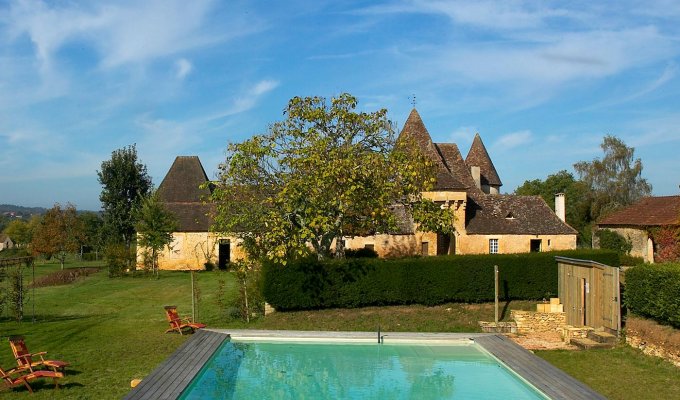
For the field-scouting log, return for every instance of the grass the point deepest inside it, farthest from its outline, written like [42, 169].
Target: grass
[111, 330]
[452, 317]
[620, 373]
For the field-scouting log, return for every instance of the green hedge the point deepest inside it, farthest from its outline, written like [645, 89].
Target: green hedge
[310, 284]
[653, 291]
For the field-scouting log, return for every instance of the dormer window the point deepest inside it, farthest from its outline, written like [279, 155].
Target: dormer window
[510, 215]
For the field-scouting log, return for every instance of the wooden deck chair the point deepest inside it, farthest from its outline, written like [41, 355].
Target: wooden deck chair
[25, 359]
[178, 324]
[23, 376]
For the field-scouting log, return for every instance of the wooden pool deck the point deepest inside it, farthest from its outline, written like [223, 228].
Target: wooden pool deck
[170, 378]
[547, 378]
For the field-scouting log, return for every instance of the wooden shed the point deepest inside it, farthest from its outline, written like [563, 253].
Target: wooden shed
[590, 293]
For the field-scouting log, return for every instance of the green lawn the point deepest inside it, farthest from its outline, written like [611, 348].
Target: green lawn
[111, 330]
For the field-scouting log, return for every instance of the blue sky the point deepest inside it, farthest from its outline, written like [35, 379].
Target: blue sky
[541, 81]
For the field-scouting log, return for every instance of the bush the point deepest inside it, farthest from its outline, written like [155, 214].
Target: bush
[118, 259]
[653, 291]
[358, 282]
[91, 256]
[14, 252]
[361, 253]
[629, 260]
[610, 240]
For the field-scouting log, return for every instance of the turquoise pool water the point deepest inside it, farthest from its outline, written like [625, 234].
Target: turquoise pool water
[285, 370]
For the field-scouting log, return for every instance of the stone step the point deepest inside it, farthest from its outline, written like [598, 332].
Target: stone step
[602, 337]
[589, 344]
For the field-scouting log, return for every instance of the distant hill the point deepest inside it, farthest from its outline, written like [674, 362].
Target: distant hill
[19, 211]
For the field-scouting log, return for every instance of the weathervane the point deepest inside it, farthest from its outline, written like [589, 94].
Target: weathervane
[413, 100]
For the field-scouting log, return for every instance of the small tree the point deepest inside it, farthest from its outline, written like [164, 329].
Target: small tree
[155, 226]
[59, 234]
[94, 236]
[124, 183]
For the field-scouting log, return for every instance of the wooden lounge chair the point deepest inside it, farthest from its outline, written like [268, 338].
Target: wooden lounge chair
[26, 359]
[23, 376]
[178, 324]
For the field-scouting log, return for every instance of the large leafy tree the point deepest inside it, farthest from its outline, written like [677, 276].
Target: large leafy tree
[326, 171]
[155, 226]
[59, 234]
[615, 180]
[124, 182]
[577, 199]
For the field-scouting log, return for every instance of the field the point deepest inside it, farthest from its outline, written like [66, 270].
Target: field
[111, 330]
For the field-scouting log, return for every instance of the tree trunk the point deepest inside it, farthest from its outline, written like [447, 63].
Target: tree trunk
[339, 247]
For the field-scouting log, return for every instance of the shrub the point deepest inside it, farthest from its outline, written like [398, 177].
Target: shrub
[358, 282]
[610, 240]
[14, 253]
[361, 253]
[91, 256]
[653, 291]
[118, 259]
[629, 260]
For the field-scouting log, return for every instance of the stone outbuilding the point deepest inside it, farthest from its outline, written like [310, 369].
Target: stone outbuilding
[184, 192]
[638, 223]
[5, 242]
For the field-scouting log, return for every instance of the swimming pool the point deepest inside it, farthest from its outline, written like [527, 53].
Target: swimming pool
[355, 369]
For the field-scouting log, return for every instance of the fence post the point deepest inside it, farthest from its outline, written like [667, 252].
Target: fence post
[495, 278]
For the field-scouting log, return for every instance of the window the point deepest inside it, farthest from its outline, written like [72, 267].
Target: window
[425, 248]
[369, 246]
[493, 246]
[535, 245]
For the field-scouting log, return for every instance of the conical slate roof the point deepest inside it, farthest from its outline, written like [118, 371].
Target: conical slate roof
[183, 180]
[182, 194]
[414, 128]
[479, 157]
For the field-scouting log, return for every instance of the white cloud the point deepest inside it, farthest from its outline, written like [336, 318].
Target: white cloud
[487, 14]
[184, 67]
[121, 32]
[512, 140]
[245, 101]
[263, 87]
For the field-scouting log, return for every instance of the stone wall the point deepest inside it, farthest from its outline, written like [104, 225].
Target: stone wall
[191, 250]
[532, 321]
[479, 244]
[652, 349]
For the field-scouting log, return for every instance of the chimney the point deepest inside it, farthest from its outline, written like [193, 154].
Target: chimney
[476, 176]
[560, 207]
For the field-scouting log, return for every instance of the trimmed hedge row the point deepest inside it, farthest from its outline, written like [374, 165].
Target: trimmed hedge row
[359, 282]
[653, 291]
